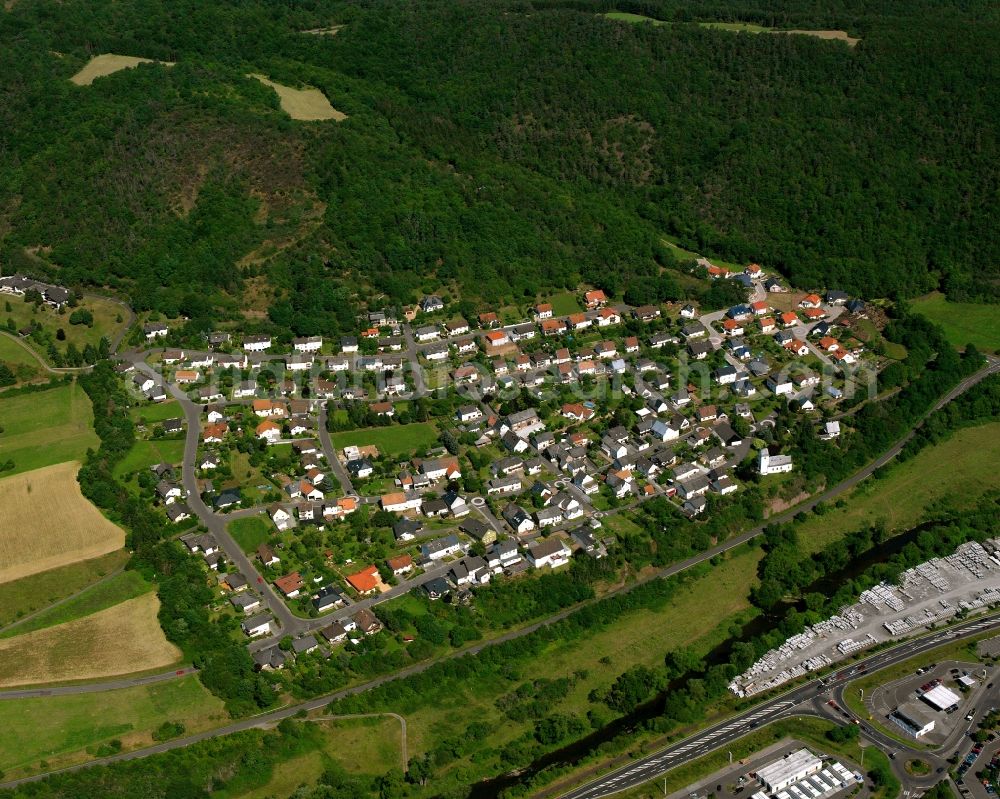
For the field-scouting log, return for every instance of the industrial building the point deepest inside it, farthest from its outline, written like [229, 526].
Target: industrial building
[914, 718]
[792, 768]
[802, 775]
[941, 698]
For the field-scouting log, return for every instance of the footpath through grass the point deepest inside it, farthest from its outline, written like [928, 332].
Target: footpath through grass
[359, 746]
[43, 428]
[960, 469]
[54, 731]
[963, 322]
[22, 362]
[123, 586]
[21, 597]
[698, 617]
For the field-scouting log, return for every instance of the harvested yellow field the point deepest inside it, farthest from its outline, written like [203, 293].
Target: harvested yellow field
[109, 63]
[122, 639]
[45, 522]
[306, 105]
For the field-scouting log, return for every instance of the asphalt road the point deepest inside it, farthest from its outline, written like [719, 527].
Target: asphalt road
[331, 455]
[648, 767]
[301, 626]
[799, 701]
[97, 687]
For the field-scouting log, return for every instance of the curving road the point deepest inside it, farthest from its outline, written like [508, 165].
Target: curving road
[796, 702]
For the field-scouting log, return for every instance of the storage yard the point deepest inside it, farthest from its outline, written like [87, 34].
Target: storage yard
[929, 593]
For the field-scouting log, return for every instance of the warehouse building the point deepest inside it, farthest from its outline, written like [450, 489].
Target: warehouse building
[792, 768]
[914, 718]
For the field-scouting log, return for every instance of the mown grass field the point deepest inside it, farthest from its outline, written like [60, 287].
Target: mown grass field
[48, 523]
[566, 303]
[122, 639]
[119, 588]
[59, 729]
[359, 746]
[20, 597]
[156, 412]
[250, 532]
[107, 64]
[147, 453]
[397, 439]
[46, 427]
[961, 468]
[106, 314]
[963, 322]
[307, 105]
[697, 617]
[22, 362]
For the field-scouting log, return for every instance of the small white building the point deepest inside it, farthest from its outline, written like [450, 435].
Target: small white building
[774, 464]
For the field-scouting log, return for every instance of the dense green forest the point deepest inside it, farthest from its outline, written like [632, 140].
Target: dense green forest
[498, 149]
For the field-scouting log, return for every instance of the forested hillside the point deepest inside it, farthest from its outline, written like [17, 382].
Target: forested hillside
[496, 148]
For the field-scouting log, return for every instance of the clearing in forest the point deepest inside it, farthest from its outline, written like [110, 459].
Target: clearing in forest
[333, 30]
[109, 63]
[47, 523]
[122, 639]
[742, 27]
[306, 105]
[836, 35]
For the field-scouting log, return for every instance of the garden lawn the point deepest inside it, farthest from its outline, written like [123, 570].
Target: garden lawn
[963, 322]
[566, 303]
[397, 439]
[156, 412]
[250, 532]
[46, 427]
[147, 453]
[961, 468]
[57, 729]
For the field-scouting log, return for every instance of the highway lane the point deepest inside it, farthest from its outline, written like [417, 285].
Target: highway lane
[794, 702]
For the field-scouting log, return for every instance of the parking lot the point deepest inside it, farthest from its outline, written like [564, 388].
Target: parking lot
[736, 782]
[885, 699]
